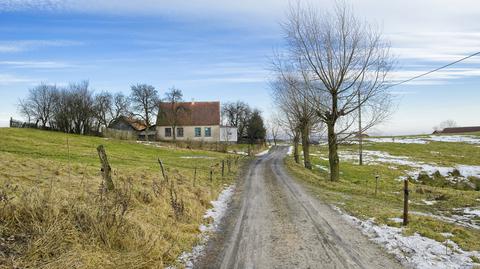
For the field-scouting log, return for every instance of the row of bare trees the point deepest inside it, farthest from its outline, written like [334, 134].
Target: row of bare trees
[78, 109]
[333, 75]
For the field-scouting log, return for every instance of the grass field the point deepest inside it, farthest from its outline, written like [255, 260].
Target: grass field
[433, 208]
[54, 212]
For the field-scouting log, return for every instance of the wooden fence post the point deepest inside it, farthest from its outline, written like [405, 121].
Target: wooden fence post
[223, 168]
[163, 170]
[211, 174]
[106, 169]
[405, 202]
[194, 176]
[376, 184]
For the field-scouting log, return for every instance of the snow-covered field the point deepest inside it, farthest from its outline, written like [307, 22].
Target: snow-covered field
[216, 213]
[425, 140]
[415, 251]
[373, 157]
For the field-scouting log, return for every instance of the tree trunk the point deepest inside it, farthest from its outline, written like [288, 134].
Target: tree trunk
[333, 152]
[306, 147]
[296, 141]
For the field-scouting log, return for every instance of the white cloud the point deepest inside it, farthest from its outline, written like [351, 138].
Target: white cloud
[8, 79]
[24, 45]
[36, 64]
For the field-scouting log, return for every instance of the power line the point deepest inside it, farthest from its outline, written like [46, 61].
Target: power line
[434, 70]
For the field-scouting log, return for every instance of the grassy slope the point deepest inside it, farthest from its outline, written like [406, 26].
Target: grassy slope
[90, 229]
[355, 191]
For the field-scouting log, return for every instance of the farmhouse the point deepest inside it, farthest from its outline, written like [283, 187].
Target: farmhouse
[196, 121]
[458, 130]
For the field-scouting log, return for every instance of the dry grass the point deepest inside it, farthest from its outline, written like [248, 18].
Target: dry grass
[55, 213]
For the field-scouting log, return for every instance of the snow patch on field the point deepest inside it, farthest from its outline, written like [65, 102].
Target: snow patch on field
[216, 213]
[455, 139]
[425, 140]
[373, 157]
[397, 140]
[415, 251]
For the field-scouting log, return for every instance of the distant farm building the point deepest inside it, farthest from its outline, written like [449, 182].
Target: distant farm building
[458, 130]
[125, 127]
[195, 121]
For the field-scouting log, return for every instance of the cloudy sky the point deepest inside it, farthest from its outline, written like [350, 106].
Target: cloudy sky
[216, 49]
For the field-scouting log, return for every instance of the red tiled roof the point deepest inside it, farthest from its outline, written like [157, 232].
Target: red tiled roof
[189, 113]
[461, 129]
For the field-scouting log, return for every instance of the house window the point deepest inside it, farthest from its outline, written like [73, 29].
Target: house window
[179, 132]
[168, 132]
[208, 131]
[198, 132]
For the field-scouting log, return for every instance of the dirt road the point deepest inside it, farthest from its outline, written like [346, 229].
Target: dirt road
[275, 223]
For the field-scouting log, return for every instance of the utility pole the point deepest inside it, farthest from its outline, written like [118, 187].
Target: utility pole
[360, 137]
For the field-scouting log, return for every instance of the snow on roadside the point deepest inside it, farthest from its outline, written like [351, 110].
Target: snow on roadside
[196, 157]
[262, 153]
[243, 153]
[217, 212]
[290, 151]
[414, 251]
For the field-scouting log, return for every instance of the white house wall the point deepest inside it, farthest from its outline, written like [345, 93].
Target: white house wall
[189, 133]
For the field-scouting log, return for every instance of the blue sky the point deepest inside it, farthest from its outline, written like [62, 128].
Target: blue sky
[220, 50]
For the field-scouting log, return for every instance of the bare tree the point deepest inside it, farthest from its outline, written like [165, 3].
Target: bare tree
[173, 97]
[445, 124]
[298, 109]
[273, 126]
[120, 106]
[81, 107]
[237, 114]
[25, 110]
[144, 100]
[103, 105]
[39, 104]
[343, 63]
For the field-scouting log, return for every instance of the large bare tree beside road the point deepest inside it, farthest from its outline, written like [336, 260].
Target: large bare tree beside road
[343, 63]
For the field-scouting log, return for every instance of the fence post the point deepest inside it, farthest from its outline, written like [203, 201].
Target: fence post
[106, 169]
[211, 174]
[163, 170]
[194, 175]
[405, 202]
[223, 168]
[376, 184]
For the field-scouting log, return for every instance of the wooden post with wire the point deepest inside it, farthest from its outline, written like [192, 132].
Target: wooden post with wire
[405, 202]
[106, 169]
[163, 170]
[223, 168]
[194, 175]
